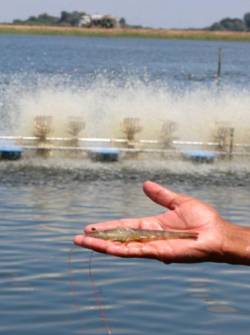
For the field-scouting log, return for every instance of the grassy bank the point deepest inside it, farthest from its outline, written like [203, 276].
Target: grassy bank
[142, 33]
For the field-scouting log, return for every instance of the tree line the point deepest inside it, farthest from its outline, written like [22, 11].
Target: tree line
[74, 19]
[68, 19]
[229, 24]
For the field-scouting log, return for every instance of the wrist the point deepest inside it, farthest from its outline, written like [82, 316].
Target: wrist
[236, 245]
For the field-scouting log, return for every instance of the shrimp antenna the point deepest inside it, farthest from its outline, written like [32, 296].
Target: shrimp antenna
[71, 279]
[97, 296]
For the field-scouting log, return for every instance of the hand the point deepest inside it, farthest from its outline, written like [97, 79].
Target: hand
[185, 213]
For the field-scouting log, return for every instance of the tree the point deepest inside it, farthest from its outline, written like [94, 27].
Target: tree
[43, 19]
[108, 22]
[17, 21]
[247, 20]
[75, 18]
[233, 24]
[72, 19]
[122, 22]
[229, 25]
[47, 19]
[65, 16]
[216, 27]
[32, 19]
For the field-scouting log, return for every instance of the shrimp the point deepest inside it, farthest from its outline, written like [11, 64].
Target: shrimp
[125, 235]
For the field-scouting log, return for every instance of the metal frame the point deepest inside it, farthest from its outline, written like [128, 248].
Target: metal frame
[20, 140]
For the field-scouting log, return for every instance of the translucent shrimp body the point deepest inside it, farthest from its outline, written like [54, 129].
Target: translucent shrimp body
[126, 235]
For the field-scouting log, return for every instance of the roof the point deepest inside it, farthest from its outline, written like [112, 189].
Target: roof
[97, 17]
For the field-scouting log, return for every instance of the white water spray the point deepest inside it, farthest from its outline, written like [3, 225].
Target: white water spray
[104, 104]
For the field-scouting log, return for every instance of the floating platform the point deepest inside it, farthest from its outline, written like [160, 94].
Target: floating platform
[104, 154]
[10, 152]
[114, 149]
[200, 156]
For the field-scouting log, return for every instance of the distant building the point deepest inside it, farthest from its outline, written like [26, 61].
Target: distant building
[97, 17]
[98, 20]
[85, 21]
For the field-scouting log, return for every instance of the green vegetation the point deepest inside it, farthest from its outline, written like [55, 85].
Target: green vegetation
[125, 32]
[247, 21]
[73, 19]
[70, 19]
[82, 24]
[82, 19]
[228, 24]
[43, 19]
[66, 19]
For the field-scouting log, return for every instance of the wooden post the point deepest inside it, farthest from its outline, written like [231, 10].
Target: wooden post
[231, 142]
[220, 55]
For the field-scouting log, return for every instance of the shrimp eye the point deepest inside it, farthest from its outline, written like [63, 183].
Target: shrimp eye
[93, 229]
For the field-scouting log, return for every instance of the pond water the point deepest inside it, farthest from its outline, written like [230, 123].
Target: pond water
[45, 284]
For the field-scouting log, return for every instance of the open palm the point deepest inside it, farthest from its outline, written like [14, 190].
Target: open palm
[184, 213]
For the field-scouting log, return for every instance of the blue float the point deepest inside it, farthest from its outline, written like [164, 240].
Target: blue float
[200, 156]
[10, 152]
[103, 154]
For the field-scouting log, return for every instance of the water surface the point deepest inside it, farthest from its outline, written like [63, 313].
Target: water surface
[45, 288]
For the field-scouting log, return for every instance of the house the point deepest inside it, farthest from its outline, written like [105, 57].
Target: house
[85, 21]
[98, 20]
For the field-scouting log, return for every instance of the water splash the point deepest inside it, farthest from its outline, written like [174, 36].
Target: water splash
[103, 103]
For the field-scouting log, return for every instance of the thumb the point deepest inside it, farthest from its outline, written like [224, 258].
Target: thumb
[162, 195]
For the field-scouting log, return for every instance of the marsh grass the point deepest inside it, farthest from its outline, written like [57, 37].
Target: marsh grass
[128, 32]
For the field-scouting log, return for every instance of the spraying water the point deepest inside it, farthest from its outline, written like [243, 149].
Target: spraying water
[103, 104]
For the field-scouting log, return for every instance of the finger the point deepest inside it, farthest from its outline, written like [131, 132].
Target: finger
[91, 243]
[162, 195]
[116, 248]
[166, 252]
[109, 247]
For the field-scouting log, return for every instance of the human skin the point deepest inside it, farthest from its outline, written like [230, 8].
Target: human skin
[218, 240]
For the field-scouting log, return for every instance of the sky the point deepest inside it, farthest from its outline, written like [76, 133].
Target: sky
[152, 13]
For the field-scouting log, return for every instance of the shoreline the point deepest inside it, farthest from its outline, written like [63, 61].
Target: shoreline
[126, 32]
